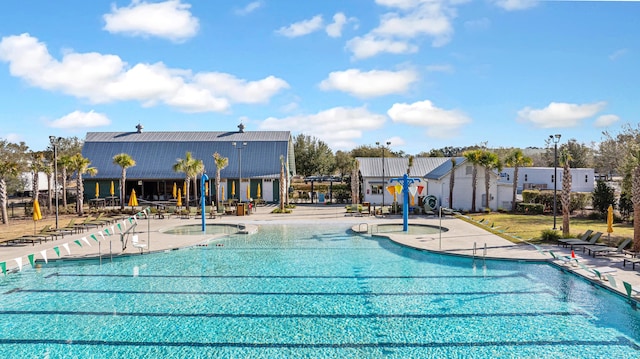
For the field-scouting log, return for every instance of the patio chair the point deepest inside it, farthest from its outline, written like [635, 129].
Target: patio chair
[565, 259]
[594, 250]
[583, 238]
[592, 241]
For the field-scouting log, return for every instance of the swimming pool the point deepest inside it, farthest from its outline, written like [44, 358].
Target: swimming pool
[310, 291]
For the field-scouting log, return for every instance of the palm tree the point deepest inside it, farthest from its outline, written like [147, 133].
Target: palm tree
[410, 165]
[355, 182]
[11, 156]
[565, 198]
[452, 181]
[190, 167]
[490, 162]
[125, 161]
[517, 159]
[64, 162]
[473, 157]
[37, 165]
[221, 163]
[80, 165]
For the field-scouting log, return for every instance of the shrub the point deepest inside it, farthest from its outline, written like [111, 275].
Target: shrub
[530, 208]
[550, 235]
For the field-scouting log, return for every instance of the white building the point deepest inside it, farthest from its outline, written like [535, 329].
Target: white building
[434, 174]
[582, 179]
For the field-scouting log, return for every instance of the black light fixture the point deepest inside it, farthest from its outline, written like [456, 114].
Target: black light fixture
[555, 139]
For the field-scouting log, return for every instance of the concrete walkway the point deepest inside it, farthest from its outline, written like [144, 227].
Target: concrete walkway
[459, 239]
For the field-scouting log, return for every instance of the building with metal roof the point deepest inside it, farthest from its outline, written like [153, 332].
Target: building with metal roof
[254, 161]
[435, 175]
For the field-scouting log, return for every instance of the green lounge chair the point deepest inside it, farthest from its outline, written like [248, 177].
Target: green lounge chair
[590, 242]
[595, 250]
[583, 238]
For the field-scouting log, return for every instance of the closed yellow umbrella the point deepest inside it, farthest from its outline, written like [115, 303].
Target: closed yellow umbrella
[249, 191]
[179, 203]
[133, 200]
[37, 215]
[610, 220]
[184, 187]
[221, 193]
[233, 188]
[206, 188]
[175, 190]
[97, 189]
[259, 192]
[112, 190]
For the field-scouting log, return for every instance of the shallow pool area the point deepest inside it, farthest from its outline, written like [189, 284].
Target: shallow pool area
[196, 229]
[412, 228]
[310, 290]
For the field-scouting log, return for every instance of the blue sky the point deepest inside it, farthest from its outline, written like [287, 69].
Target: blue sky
[421, 74]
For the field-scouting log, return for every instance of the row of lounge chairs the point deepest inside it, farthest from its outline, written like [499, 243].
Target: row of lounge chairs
[47, 233]
[588, 243]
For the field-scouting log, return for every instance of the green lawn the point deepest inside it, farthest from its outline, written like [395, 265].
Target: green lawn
[530, 226]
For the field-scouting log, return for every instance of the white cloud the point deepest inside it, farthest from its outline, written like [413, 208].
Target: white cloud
[412, 20]
[514, 5]
[339, 127]
[369, 84]
[169, 19]
[396, 141]
[560, 115]
[440, 68]
[606, 120]
[478, 24]
[440, 123]
[339, 20]
[618, 54]
[239, 90]
[80, 119]
[106, 78]
[369, 46]
[302, 28]
[12, 137]
[249, 8]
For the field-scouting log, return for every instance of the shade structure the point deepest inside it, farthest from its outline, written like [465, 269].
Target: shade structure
[97, 189]
[133, 200]
[233, 188]
[259, 192]
[175, 190]
[610, 219]
[112, 190]
[179, 203]
[37, 214]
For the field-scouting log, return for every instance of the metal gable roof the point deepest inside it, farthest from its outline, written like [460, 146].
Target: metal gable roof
[155, 153]
[396, 167]
[444, 168]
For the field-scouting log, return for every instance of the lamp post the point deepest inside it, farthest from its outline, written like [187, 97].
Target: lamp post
[240, 147]
[55, 141]
[383, 179]
[555, 139]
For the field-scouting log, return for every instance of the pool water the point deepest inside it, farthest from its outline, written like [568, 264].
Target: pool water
[315, 292]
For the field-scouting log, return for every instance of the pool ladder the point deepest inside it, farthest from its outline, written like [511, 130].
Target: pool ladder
[475, 250]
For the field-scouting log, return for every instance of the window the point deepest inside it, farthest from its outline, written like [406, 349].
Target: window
[468, 170]
[376, 189]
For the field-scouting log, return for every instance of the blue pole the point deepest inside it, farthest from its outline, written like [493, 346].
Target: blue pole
[405, 180]
[203, 201]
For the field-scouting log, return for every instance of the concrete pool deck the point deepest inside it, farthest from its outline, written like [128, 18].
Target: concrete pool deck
[458, 240]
